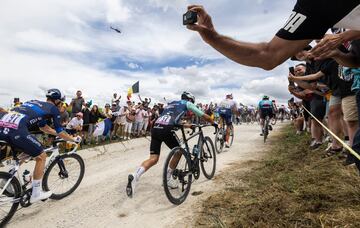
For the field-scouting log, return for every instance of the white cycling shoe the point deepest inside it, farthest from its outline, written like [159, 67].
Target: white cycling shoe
[42, 196]
[173, 184]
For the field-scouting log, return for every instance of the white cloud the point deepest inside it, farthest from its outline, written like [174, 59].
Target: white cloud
[68, 44]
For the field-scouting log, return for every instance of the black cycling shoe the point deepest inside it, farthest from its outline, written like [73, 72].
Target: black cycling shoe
[270, 128]
[130, 186]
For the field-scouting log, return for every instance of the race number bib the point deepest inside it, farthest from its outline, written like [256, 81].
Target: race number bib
[11, 120]
[164, 120]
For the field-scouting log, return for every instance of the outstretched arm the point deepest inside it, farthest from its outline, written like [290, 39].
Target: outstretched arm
[266, 55]
[309, 77]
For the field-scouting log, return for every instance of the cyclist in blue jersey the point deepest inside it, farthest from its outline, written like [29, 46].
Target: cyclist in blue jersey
[163, 132]
[227, 108]
[266, 108]
[14, 129]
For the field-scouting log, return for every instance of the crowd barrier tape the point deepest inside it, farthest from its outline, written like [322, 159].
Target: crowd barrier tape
[335, 136]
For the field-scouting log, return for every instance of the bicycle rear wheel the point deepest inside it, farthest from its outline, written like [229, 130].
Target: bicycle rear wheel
[10, 198]
[231, 136]
[64, 175]
[266, 129]
[179, 162]
[220, 140]
[208, 158]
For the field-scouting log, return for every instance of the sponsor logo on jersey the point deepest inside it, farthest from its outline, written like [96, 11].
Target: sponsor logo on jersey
[294, 22]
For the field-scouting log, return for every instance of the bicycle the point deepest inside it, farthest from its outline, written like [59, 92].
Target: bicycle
[220, 138]
[266, 128]
[188, 164]
[58, 170]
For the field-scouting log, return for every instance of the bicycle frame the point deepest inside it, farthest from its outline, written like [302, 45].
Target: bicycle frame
[193, 135]
[54, 150]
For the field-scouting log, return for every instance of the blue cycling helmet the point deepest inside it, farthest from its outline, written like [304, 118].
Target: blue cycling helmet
[55, 94]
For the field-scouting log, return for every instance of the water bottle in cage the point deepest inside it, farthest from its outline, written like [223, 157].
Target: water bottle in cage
[195, 151]
[26, 176]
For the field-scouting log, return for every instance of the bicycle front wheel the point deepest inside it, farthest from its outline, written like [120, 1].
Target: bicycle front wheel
[208, 158]
[10, 198]
[177, 175]
[64, 175]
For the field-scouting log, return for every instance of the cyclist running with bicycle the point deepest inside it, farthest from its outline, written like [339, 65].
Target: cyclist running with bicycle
[227, 108]
[266, 108]
[14, 129]
[163, 132]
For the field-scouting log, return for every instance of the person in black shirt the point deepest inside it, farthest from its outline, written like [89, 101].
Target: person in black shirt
[308, 21]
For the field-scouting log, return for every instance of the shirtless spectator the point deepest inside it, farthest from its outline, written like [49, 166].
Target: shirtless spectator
[145, 102]
[130, 119]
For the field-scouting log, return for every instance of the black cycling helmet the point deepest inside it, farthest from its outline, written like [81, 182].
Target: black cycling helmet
[55, 94]
[188, 96]
[265, 97]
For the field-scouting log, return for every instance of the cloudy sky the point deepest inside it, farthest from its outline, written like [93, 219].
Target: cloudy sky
[68, 45]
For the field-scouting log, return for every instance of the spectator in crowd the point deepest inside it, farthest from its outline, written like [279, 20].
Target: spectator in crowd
[146, 102]
[115, 99]
[77, 103]
[75, 125]
[139, 120]
[107, 111]
[86, 123]
[160, 108]
[16, 102]
[120, 122]
[147, 116]
[94, 117]
[130, 119]
[64, 115]
[317, 103]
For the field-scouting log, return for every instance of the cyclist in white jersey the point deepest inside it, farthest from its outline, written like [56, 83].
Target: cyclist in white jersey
[226, 108]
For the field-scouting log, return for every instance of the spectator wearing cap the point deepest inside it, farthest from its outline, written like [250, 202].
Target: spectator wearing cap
[77, 103]
[75, 125]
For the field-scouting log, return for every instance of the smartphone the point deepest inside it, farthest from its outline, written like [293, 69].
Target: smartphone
[190, 17]
[292, 70]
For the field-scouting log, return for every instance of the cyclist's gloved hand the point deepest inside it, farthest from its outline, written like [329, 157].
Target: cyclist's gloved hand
[215, 124]
[78, 139]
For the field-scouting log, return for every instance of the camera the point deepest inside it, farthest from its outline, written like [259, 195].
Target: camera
[190, 17]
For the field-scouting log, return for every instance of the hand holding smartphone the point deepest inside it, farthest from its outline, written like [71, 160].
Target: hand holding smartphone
[292, 71]
[190, 17]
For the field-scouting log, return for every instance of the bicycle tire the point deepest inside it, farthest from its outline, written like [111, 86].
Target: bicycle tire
[17, 193]
[231, 135]
[208, 148]
[266, 129]
[58, 196]
[220, 140]
[185, 193]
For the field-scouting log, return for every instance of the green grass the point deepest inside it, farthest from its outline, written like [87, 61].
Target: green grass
[291, 187]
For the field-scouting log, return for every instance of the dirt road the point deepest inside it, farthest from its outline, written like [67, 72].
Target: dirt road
[101, 201]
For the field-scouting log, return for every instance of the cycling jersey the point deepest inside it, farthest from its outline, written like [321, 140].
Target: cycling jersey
[15, 124]
[173, 113]
[266, 108]
[225, 110]
[311, 19]
[38, 112]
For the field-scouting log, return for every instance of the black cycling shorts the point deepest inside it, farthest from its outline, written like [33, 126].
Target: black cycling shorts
[266, 112]
[159, 135]
[318, 108]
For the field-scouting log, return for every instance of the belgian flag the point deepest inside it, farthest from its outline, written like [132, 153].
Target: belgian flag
[133, 89]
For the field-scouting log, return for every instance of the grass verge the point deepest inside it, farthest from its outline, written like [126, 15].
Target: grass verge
[291, 187]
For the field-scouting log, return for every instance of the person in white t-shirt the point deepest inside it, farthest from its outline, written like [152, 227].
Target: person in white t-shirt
[76, 124]
[139, 120]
